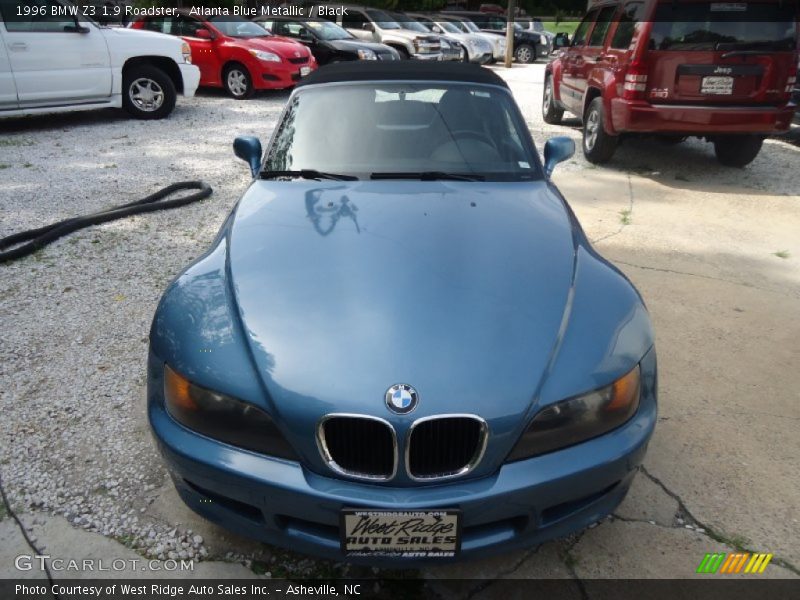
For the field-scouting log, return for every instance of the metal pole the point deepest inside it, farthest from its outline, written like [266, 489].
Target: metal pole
[510, 33]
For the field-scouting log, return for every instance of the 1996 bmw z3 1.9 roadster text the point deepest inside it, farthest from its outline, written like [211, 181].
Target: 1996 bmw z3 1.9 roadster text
[401, 347]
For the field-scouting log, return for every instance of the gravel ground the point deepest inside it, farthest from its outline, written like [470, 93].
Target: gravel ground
[75, 316]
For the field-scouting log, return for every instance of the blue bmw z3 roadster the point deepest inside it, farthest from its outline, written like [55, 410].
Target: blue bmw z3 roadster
[401, 348]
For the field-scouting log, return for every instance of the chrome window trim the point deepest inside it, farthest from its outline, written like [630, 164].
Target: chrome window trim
[336, 468]
[469, 467]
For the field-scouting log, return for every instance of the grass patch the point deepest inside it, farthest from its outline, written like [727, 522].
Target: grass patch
[4, 166]
[15, 142]
[625, 217]
[3, 511]
[568, 27]
[782, 254]
[126, 540]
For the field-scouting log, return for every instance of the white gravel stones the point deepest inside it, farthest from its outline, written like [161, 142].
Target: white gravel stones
[75, 317]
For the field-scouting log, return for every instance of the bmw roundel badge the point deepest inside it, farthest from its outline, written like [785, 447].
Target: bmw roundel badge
[401, 398]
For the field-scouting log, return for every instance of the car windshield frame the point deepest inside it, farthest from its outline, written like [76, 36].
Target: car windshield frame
[528, 167]
[222, 23]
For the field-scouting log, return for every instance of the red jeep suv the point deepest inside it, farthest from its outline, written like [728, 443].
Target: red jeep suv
[723, 71]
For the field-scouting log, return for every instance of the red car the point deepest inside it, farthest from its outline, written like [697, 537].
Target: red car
[718, 70]
[236, 54]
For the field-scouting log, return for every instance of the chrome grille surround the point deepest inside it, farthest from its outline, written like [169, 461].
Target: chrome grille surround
[324, 451]
[480, 447]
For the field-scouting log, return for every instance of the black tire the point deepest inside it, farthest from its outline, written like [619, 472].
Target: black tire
[737, 150]
[237, 81]
[525, 54]
[598, 146]
[404, 55]
[550, 112]
[147, 92]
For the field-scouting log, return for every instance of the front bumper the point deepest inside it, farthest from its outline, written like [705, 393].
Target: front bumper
[428, 56]
[191, 79]
[524, 503]
[481, 58]
[628, 116]
[274, 76]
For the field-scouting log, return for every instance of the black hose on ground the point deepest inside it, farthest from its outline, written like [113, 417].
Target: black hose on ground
[38, 238]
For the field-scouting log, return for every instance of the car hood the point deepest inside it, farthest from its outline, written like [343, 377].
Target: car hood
[346, 288]
[282, 46]
[348, 45]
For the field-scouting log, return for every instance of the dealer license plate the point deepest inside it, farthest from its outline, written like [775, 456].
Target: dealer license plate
[304, 71]
[401, 534]
[717, 86]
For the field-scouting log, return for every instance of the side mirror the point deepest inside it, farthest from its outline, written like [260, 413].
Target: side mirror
[248, 148]
[305, 36]
[203, 34]
[561, 40]
[368, 27]
[556, 150]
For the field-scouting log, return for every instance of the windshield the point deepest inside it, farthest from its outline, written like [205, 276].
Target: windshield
[724, 26]
[326, 30]
[383, 19]
[448, 27]
[411, 25]
[463, 129]
[238, 27]
[471, 26]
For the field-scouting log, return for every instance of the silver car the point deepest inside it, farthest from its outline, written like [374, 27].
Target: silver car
[498, 42]
[478, 49]
[374, 25]
[451, 47]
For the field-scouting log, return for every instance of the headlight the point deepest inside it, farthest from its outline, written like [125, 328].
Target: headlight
[581, 418]
[187, 53]
[543, 40]
[367, 55]
[444, 45]
[222, 417]
[265, 56]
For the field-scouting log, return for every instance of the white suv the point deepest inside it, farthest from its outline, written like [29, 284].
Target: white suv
[54, 59]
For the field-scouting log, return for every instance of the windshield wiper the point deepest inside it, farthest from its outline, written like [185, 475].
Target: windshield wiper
[751, 48]
[747, 53]
[430, 176]
[306, 174]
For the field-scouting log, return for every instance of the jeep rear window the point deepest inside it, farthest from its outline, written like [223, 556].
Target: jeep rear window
[724, 26]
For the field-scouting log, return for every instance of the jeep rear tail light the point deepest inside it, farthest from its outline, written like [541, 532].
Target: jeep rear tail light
[635, 82]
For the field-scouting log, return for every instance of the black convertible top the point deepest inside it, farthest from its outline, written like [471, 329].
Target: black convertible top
[402, 70]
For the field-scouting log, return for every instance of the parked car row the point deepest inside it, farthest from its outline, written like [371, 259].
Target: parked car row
[722, 72]
[274, 52]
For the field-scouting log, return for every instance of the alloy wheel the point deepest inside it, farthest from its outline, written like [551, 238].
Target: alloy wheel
[237, 82]
[146, 94]
[591, 129]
